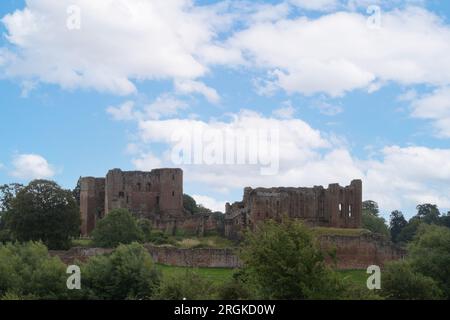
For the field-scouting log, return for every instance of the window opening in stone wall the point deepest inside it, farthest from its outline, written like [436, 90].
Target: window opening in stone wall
[121, 194]
[349, 210]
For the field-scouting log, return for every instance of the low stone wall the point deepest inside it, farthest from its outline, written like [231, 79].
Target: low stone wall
[351, 252]
[201, 257]
[361, 251]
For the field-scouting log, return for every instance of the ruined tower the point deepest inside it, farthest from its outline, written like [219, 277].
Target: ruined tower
[156, 195]
[336, 206]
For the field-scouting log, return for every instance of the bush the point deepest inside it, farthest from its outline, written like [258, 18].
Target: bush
[27, 272]
[188, 284]
[401, 282]
[234, 289]
[42, 211]
[118, 227]
[146, 227]
[282, 261]
[430, 254]
[127, 273]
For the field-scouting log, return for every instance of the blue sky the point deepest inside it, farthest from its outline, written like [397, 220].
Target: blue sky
[352, 99]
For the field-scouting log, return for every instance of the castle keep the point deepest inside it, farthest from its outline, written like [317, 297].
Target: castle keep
[156, 195]
[336, 206]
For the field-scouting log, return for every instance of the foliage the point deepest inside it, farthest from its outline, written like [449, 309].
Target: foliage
[189, 284]
[282, 261]
[27, 272]
[118, 227]
[43, 211]
[407, 234]
[146, 227]
[371, 207]
[401, 282]
[374, 223]
[234, 288]
[77, 191]
[190, 204]
[429, 254]
[428, 213]
[7, 193]
[127, 273]
[396, 225]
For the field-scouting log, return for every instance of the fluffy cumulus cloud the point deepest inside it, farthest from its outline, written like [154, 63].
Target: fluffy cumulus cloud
[434, 107]
[31, 166]
[339, 52]
[117, 42]
[397, 177]
[121, 41]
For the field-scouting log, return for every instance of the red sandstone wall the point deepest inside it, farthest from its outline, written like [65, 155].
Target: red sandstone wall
[352, 253]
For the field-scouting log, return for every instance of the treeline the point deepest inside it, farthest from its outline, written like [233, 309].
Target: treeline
[399, 230]
[43, 211]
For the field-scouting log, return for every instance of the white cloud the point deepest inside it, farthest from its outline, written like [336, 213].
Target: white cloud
[190, 86]
[327, 108]
[400, 177]
[316, 5]
[285, 112]
[435, 107]
[337, 52]
[210, 203]
[31, 166]
[164, 106]
[119, 41]
[146, 162]
[122, 112]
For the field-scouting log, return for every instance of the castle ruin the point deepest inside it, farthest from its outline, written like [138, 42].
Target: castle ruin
[156, 195]
[336, 206]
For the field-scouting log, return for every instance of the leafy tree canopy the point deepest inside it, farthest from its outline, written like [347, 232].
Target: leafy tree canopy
[119, 226]
[44, 211]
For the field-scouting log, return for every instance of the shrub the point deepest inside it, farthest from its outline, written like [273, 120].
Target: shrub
[282, 261]
[118, 227]
[188, 284]
[430, 254]
[27, 271]
[146, 227]
[127, 273]
[401, 282]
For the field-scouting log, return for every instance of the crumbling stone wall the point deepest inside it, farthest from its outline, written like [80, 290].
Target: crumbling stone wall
[336, 206]
[352, 252]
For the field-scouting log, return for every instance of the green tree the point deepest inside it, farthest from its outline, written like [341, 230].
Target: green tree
[396, 225]
[401, 282]
[371, 207]
[146, 227]
[374, 223]
[188, 284]
[127, 273]
[407, 234]
[7, 193]
[77, 191]
[43, 211]
[28, 272]
[428, 213]
[429, 254]
[119, 226]
[445, 220]
[190, 204]
[282, 261]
